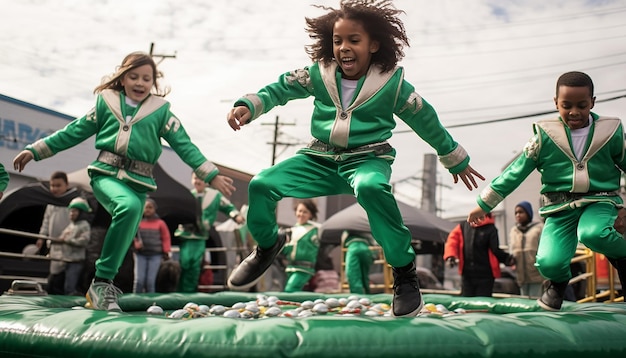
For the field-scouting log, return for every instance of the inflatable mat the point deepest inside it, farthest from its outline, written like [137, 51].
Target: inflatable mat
[59, 326]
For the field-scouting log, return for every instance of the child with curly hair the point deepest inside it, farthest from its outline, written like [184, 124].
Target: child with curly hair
[358, 88]
[129, 120]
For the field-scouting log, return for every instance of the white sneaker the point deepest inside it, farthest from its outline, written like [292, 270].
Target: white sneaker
[103, 296]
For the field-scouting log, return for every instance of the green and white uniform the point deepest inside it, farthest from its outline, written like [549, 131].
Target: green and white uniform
[580, 197]
[350, 154]
[132, 135]
[301, 253]
[358, 260]
[192, 242]
[4, 178]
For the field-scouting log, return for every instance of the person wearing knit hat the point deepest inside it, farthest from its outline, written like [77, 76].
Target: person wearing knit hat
[523, 245]
[527, 208]
[80, 204]
[74, 241]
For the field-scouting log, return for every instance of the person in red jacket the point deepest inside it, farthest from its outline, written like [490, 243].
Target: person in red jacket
[152, 245]
[475, 248]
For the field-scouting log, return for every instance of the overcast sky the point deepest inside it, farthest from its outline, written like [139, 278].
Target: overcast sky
[479, 62]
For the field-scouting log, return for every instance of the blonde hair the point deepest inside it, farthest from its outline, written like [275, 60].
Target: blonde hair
[130, 62]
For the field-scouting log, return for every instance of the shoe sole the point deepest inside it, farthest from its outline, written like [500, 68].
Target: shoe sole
[410, 314]
[89, 302]
[546, 307]
[250, 284]
[90, 305]
[245, 287]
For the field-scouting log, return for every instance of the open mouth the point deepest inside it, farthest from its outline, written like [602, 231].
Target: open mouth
[348, 62]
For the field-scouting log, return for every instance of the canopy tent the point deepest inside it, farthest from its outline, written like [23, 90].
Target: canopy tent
[428, 231]
[173, 199]
[22, 210]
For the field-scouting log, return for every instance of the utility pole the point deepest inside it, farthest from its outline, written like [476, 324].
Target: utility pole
[429, 204]
[162, 57]
[275, 143]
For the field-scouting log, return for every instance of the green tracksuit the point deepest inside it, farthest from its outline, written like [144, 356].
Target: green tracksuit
[192, 242]
[301, 253]
[134, 133]
[350, 154]
[358, 261]
[579, 195]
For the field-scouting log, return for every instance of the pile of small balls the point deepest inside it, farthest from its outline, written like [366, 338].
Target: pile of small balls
[271, 306]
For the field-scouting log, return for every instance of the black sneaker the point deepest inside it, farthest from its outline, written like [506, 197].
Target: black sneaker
[552, 297]
[250, 270]
[407, 299]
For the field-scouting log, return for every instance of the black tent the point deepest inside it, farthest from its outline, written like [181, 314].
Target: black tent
[22, 209]
[428, 231]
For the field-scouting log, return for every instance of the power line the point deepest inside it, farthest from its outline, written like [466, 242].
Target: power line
[506, 119]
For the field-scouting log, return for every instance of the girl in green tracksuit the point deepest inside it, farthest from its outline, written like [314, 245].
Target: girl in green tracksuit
[358, 92]
[302, 247]
[129, 120]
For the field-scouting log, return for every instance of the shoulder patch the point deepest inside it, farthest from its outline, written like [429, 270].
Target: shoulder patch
[531, 149]
[413, 103]
[301, 76]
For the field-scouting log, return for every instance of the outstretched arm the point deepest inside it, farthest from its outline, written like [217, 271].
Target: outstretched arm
[20, 161]
[223, 184]
[476, 215]
[468, 177]
[238, 116]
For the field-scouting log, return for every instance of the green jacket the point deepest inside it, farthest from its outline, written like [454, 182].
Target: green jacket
[368, 120]
[139, 139]
[4, 178]
[550, 152]
[212, 202]
[302, 247]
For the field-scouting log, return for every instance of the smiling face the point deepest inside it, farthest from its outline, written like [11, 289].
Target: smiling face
[138, 82]
[353, 48]
[574, 105]
[303, 215]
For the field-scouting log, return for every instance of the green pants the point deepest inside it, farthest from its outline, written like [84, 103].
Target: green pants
[591, 225]
[125, 204]
[305, 176]
[296, 280]
[190, 259]
[358, 262]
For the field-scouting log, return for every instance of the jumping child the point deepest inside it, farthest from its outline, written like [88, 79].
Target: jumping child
[580, 156]
[129, 120]
[358, 89]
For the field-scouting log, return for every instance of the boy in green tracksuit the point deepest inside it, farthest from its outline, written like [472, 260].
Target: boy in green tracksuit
[193, 237]
[358, 89]
[129, 121]
[580, 156]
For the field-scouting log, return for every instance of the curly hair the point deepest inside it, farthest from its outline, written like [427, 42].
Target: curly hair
[130, 62]
[574, 79]
[380, 20]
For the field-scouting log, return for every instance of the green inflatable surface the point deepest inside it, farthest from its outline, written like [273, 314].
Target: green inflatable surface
[58, 326]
